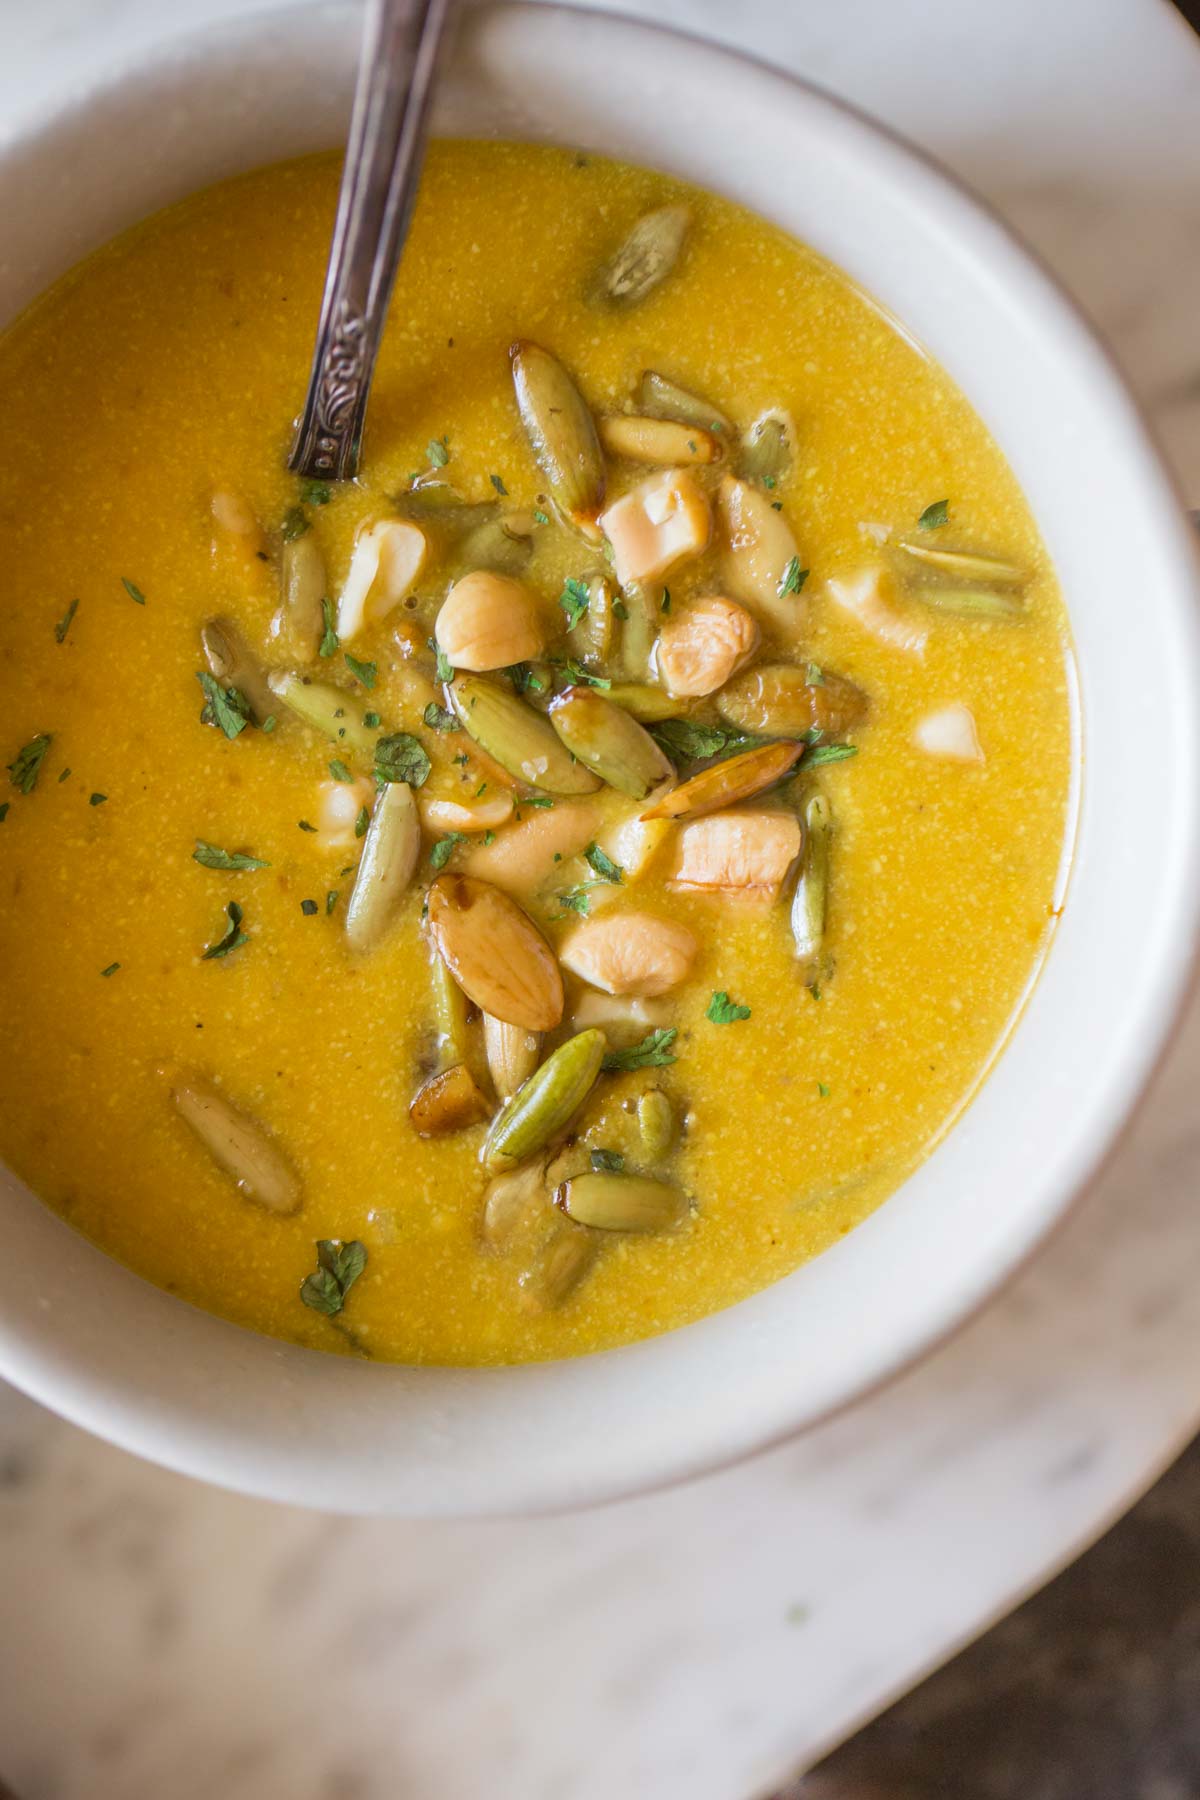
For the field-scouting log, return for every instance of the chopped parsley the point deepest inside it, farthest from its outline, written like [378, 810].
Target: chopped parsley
[438, 718]
[361, 822]
[211, 857]
[437, 452]
[822, 1090]
[225, 707]
[330, 642]
[305, 826]
[445, 847]
[26, 765]
[97, 799]
[544, 801]
[234, 935]
[583, 677]
[445, 668]
[362, 671]
[295, 524]
[331, 900]
[64, 776]
[577, 899]
[540, 517]
[401, 757]
[338, 1268]
[309, 908]
[269, 723]
[574, 600]
[64, 624]
[604, 865]
[721, 1010]
[371, 720]
[339, 771]
[827, 753]
[607, 1162]
[133, 590]
[654, 1052]
[814, 675]
[499, 486]
[686, 740]
[524, 677]
[793, 577]
[316, 493]
[111, 970]
[934, 516]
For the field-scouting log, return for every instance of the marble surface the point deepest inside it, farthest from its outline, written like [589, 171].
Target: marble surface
[166, 1639]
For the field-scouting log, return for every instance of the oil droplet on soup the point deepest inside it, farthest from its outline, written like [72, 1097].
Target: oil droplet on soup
[764, 577]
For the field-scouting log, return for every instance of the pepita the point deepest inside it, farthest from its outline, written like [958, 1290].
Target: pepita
[766, 452]
[656, 1123]
[558, 1266]
[561, 433]
[966, 565]
[968, 602]
[646, 257]
[622, 1203]
[662, 398]
[385, 868]
[299, 624]
[328, 709]
[230, 661]
[521, 742]
[544, 1105]
[238, 1145]
[786, 700]
[609, 741]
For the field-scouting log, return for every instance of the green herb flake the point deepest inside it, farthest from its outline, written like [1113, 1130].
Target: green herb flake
[607, 1162]
[828, 753]
[330, 642]
[499, 486]
[814, 675]
[822, 1090]
[372, 721]
[223, 707]
[295, 524]
[26, 765]
[768, 481]
[540, 517]
[721, 1010]
[687, 740]
[934, 516]
[331, 900]
[362, 671]
[576, 899]
[338, 1268]
[542, 801]
[361, 822]
[489, 837]
[133, 590]
[305, 826]
[437, 452]
[64, 624]
[339, 771]
[439, 719]
[620, 610]
[445, 847]
[4, 806]
[793, 577]
[574, 600]
[234, 936]
[309, 908]
[583, 677]
[269, 723]
[524, 678]
[654, 1052]
[604, 865]
[445, 668]
[97, 799]
[401, 757]
[63, 777]
[315, 493]
[211, 857]
[111, 970]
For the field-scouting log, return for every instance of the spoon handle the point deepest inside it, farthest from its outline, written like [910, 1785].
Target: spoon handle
[396, 71]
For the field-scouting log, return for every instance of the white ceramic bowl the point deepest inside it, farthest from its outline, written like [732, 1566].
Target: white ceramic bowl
[112, 1353]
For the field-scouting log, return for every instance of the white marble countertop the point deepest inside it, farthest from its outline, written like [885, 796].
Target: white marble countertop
[170, 1640]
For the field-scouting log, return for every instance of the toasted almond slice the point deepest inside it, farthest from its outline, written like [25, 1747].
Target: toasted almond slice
[748, 851]
[630, 953]
[495, 952]
[737, 778]
[702, 646]
[490, 621]
[661, 441]
[385, 565]
[656, 525]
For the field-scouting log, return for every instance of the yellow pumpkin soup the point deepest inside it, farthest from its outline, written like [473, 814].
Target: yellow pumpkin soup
[545, 890]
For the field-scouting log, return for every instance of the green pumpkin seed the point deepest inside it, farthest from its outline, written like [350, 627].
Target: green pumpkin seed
[512, 1054]
[645, 259]
[663, 399]
[622, 1203]
[497, 544]
[810, 901]
[385, 868]
[557, 1267]
[561, 433]
[639, 630]
[649, 704]
[516, 1208]
[438, 503]
[656, 1123]
[300, 622]
[521, 741]
[790, 700]
[766, 454]
[592, 637]
[450, 1015]
[966, 565]
[607, 740]
[238, 1145]
[231, 663]
[545, 1104]
[328, 709]
[968, 602]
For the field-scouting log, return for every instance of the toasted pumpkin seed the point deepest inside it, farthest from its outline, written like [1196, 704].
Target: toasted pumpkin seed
[230, 661]
[512, 1054]
[639, 629]
[656, 1123]
[737, 778]
[328, 709]
[300, 623]
[558, 1266]
[495, 952]
[439, 504]
[546, 1103]
[498, 544]
[766, 453]
[238, 1145]
[385, 868]
[811, 898]
[520, 741]
[966, 565]
[786, 700]
[622, 1203]
[592, 636]
[516, 1206]
[665, 399]
[664, 442]
[646, 257]
[969, 602]
[649, 704]
[449, 1101]
[450, 1014]
[607, 740]
[561, 432]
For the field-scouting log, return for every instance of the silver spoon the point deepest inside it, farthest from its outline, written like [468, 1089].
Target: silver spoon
[398, 63]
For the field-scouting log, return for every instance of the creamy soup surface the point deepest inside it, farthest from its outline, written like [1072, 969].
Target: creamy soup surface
[817, 949]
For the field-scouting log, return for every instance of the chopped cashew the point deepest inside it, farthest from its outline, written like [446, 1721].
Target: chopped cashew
[630, 953]
[656, 525]
[864, 595]
[749, 851]
[949, 733]
[490, 621]
[387, 560]
[339, 804]
[702, 645]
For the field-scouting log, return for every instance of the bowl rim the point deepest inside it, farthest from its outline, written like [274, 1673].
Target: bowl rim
[726, 1440]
